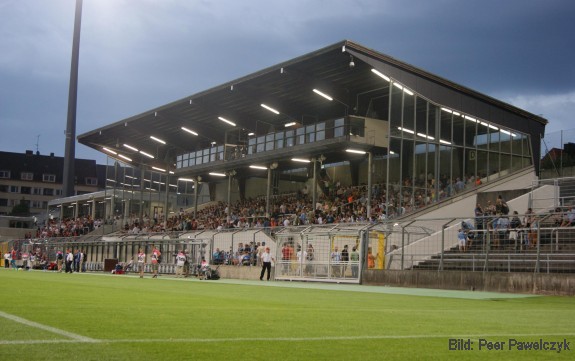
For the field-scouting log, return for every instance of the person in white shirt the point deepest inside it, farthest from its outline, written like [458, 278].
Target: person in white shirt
[7, 257]
[180, 262]
[69, 260]
[301, 256]
[141, 262]
[267, 260]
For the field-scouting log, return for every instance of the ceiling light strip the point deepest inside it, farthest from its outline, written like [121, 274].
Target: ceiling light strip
[322, 94]
[157, 139]
[269, 108]
[227, 121]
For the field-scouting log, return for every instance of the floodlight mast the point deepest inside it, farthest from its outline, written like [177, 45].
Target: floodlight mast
[70, 151]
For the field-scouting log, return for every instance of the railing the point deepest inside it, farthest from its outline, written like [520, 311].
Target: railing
[415, 244]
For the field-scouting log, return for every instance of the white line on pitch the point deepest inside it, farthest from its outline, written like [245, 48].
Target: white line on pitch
[285, 339]
[330, 338]
[26, 322]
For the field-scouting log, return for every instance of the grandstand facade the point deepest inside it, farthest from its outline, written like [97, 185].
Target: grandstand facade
[343, 147]
[426, 137]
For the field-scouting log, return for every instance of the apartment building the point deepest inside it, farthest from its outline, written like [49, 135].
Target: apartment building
[37, 179]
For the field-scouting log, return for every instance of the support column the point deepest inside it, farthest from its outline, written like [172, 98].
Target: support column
[141, 215]
[196, 184]
[166, 201]
[127, 204]
[268, 192]
[314, 187]
[93, 214]
[229, 193]
[369, 171]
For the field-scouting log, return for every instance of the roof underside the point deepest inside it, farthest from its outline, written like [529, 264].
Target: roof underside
[286, 87]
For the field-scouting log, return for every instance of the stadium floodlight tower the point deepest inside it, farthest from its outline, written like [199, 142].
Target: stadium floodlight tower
[70, 148]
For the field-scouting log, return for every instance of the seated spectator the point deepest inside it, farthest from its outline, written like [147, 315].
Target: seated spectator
[556, 217]
[569, 218]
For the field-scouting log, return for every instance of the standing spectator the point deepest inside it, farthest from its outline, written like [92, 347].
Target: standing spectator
[260, 250]
[528, 218]
[69, 260]
[141, 262]
[515, 221]
[336, 262]
[479, 217]
[287, 253]
[459, 185]
[13, 256]
[82, 261]
[180, 262]
[267, 260]
[156, 254]
[310, 257]
[514, 227]
[77, 260]
[354, 257]
[370, 258]
[489, 209]
[501, 230]
[59, 260]
[533, 230]
[7, 258]
[344, 260]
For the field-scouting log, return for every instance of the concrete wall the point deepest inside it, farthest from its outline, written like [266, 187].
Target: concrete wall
[528, 283]
[241, 272]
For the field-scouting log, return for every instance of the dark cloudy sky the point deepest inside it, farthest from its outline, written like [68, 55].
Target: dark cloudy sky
[139, 54]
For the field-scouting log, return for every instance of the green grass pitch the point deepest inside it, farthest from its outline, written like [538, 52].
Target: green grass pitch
[51, 316]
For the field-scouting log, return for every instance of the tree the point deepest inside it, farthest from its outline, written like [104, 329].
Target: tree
[22, 209]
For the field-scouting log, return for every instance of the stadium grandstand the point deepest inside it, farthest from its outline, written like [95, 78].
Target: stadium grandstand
[352, 166]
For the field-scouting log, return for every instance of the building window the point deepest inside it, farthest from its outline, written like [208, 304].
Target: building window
[90, 181]
[3, 202]
[14, 189]
[37, 191]
[48, 192]
[58, 192]
[27, 176]
[48, 178]
[5, 174]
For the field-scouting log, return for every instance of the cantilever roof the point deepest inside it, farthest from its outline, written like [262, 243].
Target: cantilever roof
[286, 87]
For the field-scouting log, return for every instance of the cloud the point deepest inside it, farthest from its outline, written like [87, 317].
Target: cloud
[139, 54]
[559, 109]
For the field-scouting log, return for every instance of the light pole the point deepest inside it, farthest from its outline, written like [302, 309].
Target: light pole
[70, 151]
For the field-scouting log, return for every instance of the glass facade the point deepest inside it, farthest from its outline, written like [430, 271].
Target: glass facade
[430, 152]
[436, 152]
[307, 134]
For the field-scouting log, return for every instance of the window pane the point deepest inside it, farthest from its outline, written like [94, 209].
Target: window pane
[445, 126]
[289, 138]
[432, 122]
[396, 111]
